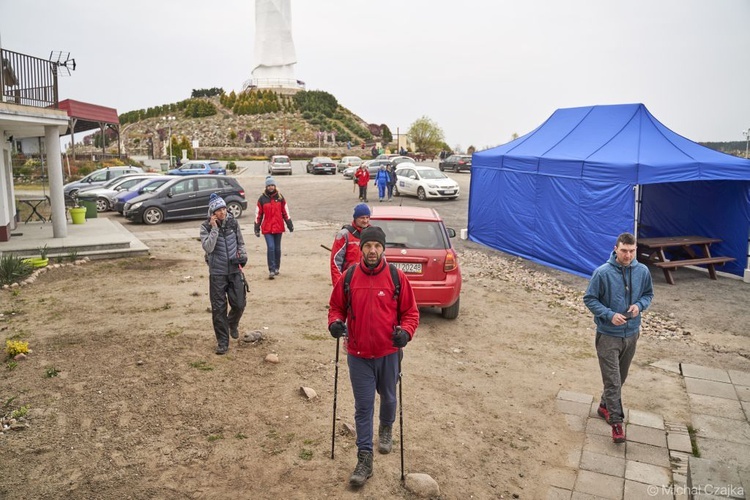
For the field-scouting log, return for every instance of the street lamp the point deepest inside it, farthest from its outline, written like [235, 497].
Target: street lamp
[169, 120]
[746, 133]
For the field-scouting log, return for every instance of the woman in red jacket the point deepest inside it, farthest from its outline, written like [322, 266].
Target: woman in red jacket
[362, 178]
[271, 213]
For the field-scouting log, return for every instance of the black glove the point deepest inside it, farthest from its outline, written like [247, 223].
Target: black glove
[400, 337]
[257, 230]
[290, 225]
[337, 329]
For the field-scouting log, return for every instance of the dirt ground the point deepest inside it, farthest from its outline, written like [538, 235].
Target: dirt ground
[142, 408]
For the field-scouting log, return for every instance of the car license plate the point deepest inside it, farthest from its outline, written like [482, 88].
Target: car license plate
[449, 191]
[409, 267]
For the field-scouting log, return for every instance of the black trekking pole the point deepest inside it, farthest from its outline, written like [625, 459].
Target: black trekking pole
[401, 410]
[335, 393]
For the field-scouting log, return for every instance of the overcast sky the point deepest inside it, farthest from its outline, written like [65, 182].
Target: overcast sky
[481, 69]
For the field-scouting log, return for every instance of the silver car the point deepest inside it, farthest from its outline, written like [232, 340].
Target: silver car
[279, 164]
[348, 161]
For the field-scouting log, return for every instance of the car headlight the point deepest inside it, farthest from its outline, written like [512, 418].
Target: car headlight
[136, 206]
[432, 186]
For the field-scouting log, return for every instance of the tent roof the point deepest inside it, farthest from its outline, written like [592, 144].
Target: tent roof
[88, 116]
[620, 143]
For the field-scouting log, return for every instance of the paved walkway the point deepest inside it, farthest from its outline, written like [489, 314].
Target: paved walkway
[657, 460]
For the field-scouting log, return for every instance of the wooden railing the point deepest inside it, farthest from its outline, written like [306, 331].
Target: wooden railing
[28, 80]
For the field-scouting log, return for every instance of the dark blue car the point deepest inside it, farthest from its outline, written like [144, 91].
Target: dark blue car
[146, 186]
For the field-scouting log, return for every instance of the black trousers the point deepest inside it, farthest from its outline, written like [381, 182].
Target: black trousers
[223, 288]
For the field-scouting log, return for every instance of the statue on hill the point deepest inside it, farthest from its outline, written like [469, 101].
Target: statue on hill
[275, 56]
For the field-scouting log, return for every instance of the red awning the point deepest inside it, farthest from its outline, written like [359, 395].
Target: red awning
[88, 116]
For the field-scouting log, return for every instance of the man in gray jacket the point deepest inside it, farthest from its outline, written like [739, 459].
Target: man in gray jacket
[222, 241]
[619, 291]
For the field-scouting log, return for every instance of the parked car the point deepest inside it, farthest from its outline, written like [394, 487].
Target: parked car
[456, 163]
[145, 186]
[186, 198]
[402, 159]
[199, 167]
[424, 182]
[417, 242]
[279, 164]
[388, 156]
[104, 194]
[321, 164]
[348, 161]
[99, 177]
[372, 166]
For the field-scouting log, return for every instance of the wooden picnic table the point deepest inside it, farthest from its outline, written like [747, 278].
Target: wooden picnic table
[683, 251]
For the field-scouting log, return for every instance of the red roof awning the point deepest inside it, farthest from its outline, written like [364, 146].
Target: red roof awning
[88, 116]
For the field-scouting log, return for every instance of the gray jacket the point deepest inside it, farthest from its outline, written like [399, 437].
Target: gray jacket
[223, 245]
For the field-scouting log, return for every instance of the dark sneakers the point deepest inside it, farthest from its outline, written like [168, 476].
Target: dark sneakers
[385, 439]
[363, 470]
[603, 412]
[222, 349]
[234, 332]
[618, 433]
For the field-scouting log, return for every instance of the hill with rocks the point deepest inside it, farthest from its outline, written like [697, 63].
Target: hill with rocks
[256, 123]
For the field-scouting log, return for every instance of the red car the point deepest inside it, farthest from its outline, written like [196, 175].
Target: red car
[417, 241]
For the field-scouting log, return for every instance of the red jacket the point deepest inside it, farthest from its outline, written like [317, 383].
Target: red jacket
[345, 251]
[363, 176]
[271, 212]
[373, 313]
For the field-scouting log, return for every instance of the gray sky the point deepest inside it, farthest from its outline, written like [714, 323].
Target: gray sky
[482, 69]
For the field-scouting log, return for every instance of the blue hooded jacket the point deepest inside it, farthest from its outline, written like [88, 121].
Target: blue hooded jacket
[613, 289]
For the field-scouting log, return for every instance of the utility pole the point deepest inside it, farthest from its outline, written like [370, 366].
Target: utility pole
[746, 133]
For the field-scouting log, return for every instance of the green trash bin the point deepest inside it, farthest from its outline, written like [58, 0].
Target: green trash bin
[89, 202]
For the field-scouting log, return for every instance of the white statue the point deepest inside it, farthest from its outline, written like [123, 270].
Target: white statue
[274, 48]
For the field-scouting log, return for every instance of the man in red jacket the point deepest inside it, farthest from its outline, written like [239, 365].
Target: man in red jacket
[380, 321]
[362, 177]
[345, 250]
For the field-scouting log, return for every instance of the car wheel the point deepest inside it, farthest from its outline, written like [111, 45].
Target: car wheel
[452, 311]
[235, 209]
[102, 205]
[308, 169]
[421, 194]
[441, 168]
[152, 216]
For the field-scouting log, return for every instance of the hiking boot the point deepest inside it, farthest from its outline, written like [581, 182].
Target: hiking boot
[222, 349]
[276, 272]
[618, 433]
[363, 470]
[271, 275]
[234, 332]
[603, 412]
[385, 439]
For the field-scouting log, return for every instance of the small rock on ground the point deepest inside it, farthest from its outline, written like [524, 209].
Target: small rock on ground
[422, 485]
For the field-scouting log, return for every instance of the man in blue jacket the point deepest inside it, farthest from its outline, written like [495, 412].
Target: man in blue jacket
[619, 291]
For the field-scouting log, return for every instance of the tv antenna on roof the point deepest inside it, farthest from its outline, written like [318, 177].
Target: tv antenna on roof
[62, 62]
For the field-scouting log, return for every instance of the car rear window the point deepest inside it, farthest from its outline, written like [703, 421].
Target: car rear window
[413, 234]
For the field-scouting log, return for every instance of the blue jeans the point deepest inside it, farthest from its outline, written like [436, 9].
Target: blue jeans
[273, 252]
[368, 376]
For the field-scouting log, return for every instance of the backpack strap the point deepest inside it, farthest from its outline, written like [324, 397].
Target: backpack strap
[396, 281]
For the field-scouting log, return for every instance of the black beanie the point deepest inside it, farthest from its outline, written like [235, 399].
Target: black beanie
[371, 233]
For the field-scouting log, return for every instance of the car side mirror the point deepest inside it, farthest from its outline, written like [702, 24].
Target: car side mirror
[451, 232]
[170, 194]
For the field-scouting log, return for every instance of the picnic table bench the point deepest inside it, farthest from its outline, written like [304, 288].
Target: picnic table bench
[683, 253]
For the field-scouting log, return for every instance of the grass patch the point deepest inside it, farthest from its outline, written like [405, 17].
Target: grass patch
[21, 412]
[240, 435]
[201, 365]
[215, 437]
[310, 336]
[173, 332]
[306, 454]
[11, 365]
[693, 442]
[50, 372]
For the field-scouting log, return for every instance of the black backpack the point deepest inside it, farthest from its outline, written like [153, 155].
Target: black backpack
[394, 277]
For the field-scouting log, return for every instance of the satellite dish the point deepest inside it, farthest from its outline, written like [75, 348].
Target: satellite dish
[63, 63]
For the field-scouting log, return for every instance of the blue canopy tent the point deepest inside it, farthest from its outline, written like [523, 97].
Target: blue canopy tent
[562, 193]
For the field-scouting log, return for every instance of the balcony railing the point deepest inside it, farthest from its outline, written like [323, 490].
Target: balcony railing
[28, 80]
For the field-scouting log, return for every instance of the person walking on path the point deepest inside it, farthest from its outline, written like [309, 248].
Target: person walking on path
[382, 178]
[345, 249]
[392, 181]
[362, 177]
[225, 254]
[271, 213]
[619, 291]
[380, 320]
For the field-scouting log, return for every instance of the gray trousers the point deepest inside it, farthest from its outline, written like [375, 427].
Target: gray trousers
[615, 355]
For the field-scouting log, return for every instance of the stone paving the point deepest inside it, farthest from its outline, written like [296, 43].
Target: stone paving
[657, 460]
